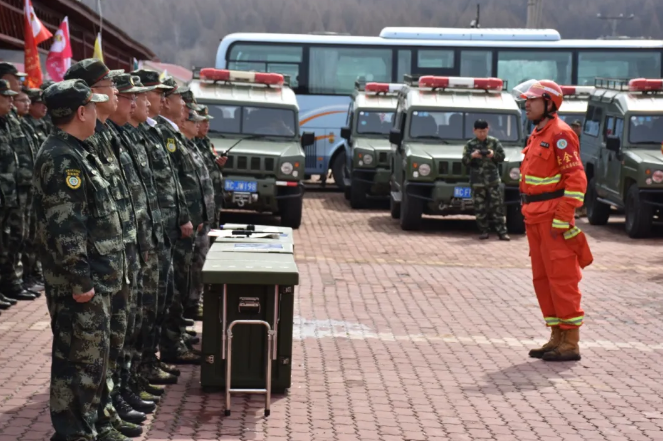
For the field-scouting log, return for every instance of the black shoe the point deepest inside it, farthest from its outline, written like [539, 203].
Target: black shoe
[129, 429]
[169, 368]
[126, 412]
[188, 322]
[505, 237]
[154, 390]
[158, 376]
[483, 236]
[191, 332]
[12, 302]
[189, 340]
[134, 401]
[36, 289]
[5, 305]
[23, 295]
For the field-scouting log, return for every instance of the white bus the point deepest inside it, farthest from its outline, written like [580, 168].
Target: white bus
[324, 68]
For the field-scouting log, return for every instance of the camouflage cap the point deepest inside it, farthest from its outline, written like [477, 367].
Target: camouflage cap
[5, 89]
[35, 95]
[125, 83]
[175, 88]
[190, 100]
[8, 68]
[576, 123]
[204, 112]
[140, 84]
[46, 84]
[193, 116]
[65, 97]
[150, 78]
[91, 71]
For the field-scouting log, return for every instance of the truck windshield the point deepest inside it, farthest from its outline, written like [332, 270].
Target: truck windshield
[460, 125]
[245, 120]
[646, 129]
[374, 122]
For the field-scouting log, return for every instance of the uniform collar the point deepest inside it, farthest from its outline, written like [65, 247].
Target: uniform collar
[151, 122]
[551, 122]
[174, 126]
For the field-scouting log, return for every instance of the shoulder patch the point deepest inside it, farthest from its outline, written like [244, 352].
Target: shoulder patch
[73, 179]
[561, 144]
[170, 145]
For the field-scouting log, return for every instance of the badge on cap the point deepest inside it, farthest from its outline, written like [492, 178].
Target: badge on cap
[561, 144]
[73, 179]
[170, 145]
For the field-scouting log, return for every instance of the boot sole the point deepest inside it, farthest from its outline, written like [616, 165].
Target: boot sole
[164, 382]
[136, 420]
[571, 358]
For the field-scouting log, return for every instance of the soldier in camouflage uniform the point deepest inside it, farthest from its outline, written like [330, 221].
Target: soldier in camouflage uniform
[190, 129]
[16, 220]
[175, 220]
[83, 258]
[175, 342]
[107, 151]
[8, 168]
[482, 155]
[131, 170]
[47, 117]
[37, 116]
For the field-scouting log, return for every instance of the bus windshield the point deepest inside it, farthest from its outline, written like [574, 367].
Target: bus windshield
[646, 129]
[245, 120]
[374, 123]
[460, 125]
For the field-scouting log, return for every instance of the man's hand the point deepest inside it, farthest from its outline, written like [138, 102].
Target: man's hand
[490, 154]
[85, 297]
[187, 230]
[200, 227]
[221, 160]
[476, 154]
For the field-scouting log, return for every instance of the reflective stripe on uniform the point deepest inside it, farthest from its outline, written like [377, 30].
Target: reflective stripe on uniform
[535, 180]
[575, 195]
[559, 224]
[573, 232]
[551, 321]
[575, 321]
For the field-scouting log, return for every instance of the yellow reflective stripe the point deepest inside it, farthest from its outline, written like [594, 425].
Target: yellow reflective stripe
[575, 195]
[559, 224]
[577, 321]
[552, 321]
[535, 180]
[573, 232]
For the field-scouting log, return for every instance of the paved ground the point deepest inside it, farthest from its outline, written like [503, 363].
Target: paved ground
[412, 336]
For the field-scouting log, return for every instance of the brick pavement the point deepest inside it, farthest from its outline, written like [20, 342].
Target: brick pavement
[412, 336]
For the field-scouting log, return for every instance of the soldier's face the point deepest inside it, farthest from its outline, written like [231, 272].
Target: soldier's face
[173, 104]
[534, 109]
[155, 97]
[5, 105]
[22, 104]
[14, 82]
[481, 134]
[203, 128]
[107, 87]
[576, 129]
[126, 104]
[189, 128]
[142, 110]
[38, 110]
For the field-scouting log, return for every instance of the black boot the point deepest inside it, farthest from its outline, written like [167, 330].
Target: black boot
[126, 412]
[134, 401]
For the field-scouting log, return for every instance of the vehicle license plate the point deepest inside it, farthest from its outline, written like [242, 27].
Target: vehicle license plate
[463, 192]
[251, 187]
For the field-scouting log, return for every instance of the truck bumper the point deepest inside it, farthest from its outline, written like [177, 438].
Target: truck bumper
[376, 180]
[269, 192]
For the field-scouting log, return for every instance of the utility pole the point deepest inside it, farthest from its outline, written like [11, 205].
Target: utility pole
[475, 23]
[613, 20]
[534, 14]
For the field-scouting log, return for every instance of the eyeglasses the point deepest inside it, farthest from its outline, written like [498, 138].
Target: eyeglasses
[128, 97]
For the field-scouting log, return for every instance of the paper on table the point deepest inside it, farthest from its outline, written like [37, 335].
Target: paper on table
[229, 234]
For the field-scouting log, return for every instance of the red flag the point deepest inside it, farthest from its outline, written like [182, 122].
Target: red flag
[35, 33]
[59, 57]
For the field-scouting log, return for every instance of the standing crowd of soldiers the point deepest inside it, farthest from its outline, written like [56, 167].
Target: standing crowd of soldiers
[106, 204]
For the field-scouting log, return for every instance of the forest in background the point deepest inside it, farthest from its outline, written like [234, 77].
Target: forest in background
[187, 32]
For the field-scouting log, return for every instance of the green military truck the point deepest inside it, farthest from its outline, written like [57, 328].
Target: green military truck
[620, 148]
[368, 152]
[256, 124]
[434, 119]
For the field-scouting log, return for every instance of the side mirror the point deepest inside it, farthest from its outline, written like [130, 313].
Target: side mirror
[308, 138]
[395, 136]
[613, 143]
[346, 133]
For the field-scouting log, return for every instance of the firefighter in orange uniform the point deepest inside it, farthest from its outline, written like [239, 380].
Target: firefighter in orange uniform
[552, 186]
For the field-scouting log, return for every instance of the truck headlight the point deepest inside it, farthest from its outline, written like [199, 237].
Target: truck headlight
[368, 159]
[286, 168]
[657, 176]
[424, 170]
[514, 174]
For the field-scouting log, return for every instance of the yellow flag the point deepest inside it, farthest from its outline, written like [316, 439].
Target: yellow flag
[163, 75]
[97, 48]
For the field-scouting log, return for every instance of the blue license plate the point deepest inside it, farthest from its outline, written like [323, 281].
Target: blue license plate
[462, 192]
[249, 187]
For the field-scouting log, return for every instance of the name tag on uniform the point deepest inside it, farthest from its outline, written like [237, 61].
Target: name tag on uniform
[545, 144]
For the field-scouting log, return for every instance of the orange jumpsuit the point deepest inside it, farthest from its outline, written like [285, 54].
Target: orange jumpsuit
[552, 186]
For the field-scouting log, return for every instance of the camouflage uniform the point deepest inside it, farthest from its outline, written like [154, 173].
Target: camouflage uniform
[206, 150]
[487, 196]
[192, 187]
[80, 233]
[40, 128]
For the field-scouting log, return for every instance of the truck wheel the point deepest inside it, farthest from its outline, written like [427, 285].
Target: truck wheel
[598, 213]
[346, 193]
[358, 195]
[411, 211]
[395, 207]
[638, 214]
[291, 212]
[337, 170]
[515, 222]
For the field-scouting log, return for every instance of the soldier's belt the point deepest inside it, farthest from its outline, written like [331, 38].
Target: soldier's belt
[529, 198]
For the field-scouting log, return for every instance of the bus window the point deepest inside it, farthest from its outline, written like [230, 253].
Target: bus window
[478, 64]
[518, 66]
[267, 58]
[617, 65]
[435, 59]
[334, 70]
